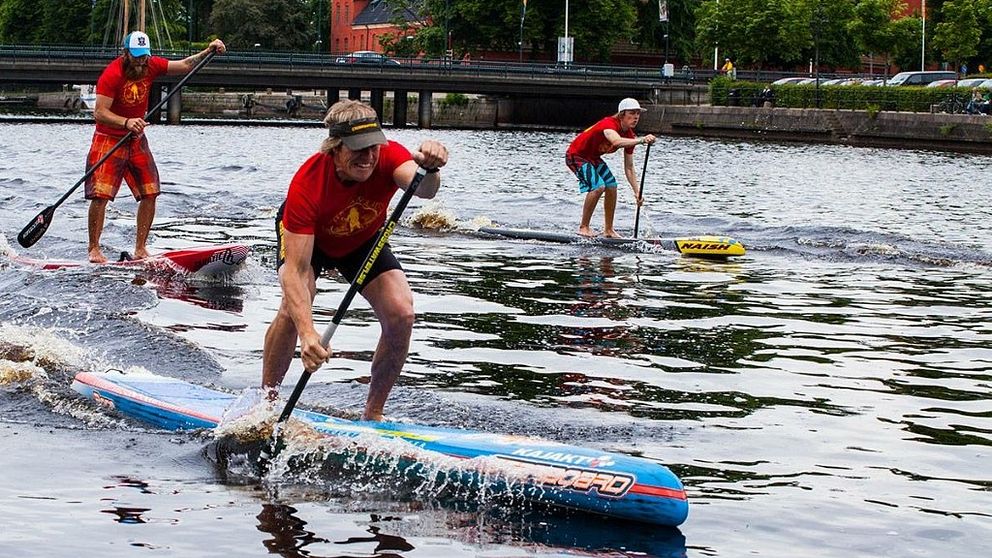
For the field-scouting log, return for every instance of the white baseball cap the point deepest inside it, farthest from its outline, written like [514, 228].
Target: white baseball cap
[138, 44]
[629, 104]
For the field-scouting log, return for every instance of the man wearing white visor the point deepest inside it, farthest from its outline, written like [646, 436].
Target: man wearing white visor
[336, 204]
[584, 158]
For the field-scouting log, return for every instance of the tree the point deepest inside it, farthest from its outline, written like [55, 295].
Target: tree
[43, 21]
[957, 36]
[681, 27]
[871, 26]
[273, 24]
[828, 32]
[907, 38]
[755, 32]
[473, 25]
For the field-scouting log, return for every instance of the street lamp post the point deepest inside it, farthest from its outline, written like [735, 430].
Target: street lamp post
[923, 47]
[523, 14]
[816, 41]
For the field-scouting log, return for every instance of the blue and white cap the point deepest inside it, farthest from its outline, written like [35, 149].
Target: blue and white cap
[138, 44]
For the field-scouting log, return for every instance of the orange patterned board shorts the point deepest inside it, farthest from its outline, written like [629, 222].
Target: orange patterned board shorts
[132, 162]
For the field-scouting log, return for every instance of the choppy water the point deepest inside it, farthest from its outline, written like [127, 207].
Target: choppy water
[825, 395]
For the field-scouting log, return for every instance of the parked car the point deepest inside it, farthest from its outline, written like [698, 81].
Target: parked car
[920, 78]
[366, 57]
[789, 80]
[972, 82]
[943, 83]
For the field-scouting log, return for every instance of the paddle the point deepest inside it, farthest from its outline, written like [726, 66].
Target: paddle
[356, 284]
[640, 191]
[34, 230]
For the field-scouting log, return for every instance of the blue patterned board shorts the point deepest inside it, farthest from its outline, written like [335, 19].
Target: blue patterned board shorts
[592, 176]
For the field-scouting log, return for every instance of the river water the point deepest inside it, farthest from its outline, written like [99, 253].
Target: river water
[825, 395]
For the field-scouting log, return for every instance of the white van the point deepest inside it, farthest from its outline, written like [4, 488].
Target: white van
[919, 78]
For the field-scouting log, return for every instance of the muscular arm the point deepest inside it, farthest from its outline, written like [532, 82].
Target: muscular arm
[429, 186]
[630, 172]
[179, 67]
[103, 114]
[621, 142]
[431, 155]
[296, 279]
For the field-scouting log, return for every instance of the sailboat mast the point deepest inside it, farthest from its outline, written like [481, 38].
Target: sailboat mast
[127, 20]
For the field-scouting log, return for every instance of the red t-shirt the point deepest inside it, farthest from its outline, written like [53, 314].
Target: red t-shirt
[130, 97]
[592, 144]
[341, 216]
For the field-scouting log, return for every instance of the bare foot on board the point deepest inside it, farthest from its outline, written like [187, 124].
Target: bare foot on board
[587, 232]
[97, 257]
[611, 234]
[140, 254]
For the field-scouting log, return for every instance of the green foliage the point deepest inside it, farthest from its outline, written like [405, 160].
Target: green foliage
[18, 21]
[755, 33]
[907, 37]
[851, 97]
[946, 129]
[475, 25]
[649, 32]
[871, 25]
[455, 100]
[958, 34]
[272, 24]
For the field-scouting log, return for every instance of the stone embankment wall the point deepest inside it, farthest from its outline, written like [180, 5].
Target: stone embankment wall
[949, 132]
[953, 132]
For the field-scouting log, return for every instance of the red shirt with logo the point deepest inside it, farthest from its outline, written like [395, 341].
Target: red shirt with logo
[592, 144]
[341, 215]
[130, 97]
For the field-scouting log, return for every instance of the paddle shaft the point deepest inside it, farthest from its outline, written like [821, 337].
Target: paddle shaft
[640, 192]
[384, 233]
[34, 230]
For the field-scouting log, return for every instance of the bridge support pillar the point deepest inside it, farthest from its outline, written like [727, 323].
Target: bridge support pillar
[355, 94]
[174, 108]
[399, 109]
[333, 96]
[424, 109]
[377, 100]
[154, 96]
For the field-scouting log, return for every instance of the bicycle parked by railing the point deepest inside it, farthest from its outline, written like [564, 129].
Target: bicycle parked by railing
[953, 104]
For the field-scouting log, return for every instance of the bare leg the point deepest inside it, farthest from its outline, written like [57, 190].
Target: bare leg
[146, 214]
[280, 344]
[98, 209]
[609, 208]
[391, 299]
[592, 198]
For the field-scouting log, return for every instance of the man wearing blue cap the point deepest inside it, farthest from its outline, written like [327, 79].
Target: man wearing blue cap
[121, 102]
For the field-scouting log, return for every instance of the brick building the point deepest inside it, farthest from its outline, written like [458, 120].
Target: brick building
[358, 24]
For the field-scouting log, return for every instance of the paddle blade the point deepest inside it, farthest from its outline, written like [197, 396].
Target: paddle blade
[710, 246]
[36, 228]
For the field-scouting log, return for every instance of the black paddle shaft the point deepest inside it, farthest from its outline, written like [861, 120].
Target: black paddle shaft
[34, 230]
[356, 284]
[640, 192]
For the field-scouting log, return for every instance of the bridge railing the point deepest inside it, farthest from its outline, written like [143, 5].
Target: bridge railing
[258, 59]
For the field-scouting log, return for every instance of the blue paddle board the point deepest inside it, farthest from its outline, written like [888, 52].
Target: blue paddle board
[590, 480]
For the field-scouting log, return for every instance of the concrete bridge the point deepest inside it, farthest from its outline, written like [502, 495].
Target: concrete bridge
[533, 93]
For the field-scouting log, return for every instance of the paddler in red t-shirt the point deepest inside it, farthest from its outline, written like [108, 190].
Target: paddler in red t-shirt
[121, 102]
[336, 204]
[584, 158]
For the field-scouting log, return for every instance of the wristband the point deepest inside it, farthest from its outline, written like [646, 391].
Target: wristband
[126, 120]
